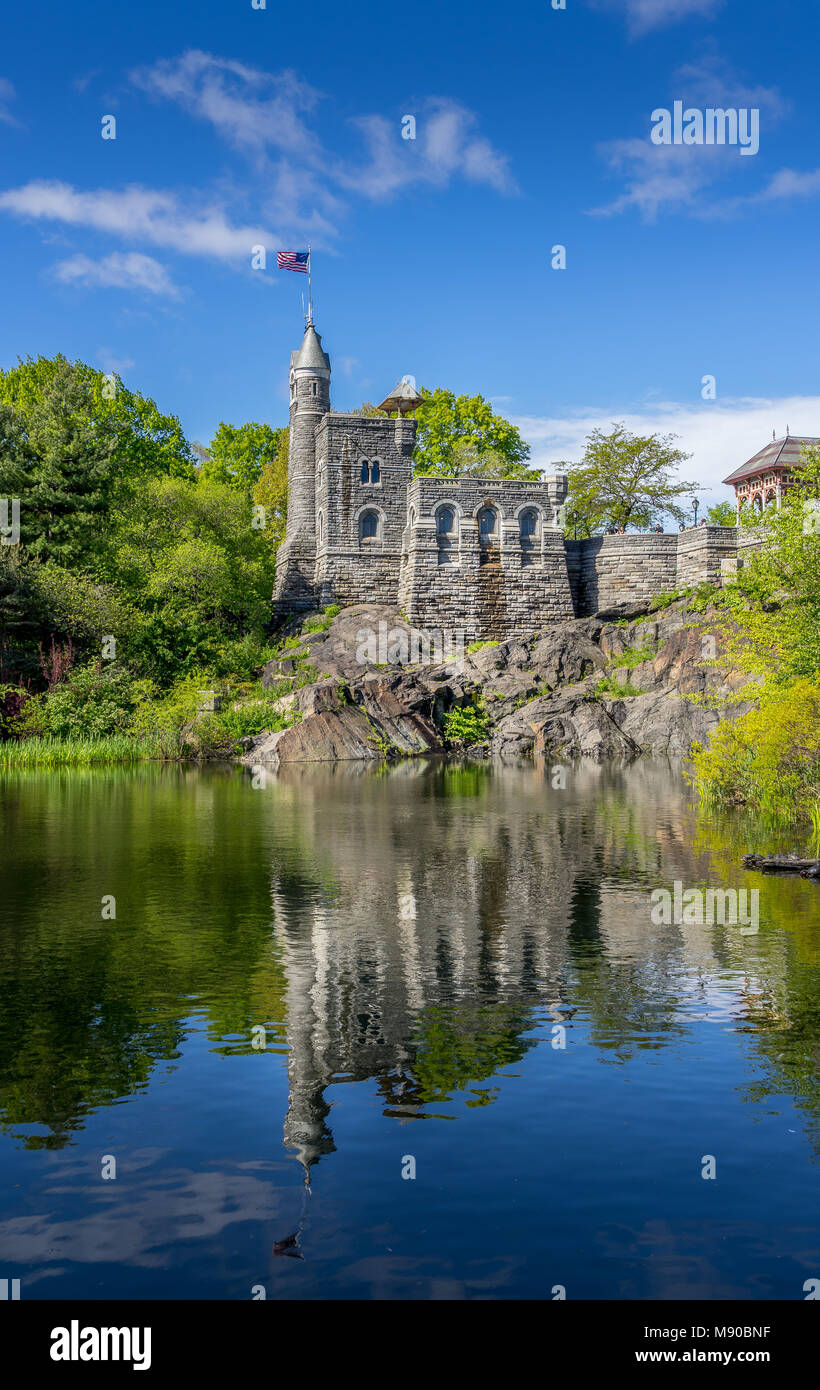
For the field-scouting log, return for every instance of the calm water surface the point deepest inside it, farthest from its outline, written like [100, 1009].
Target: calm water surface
[407, 944]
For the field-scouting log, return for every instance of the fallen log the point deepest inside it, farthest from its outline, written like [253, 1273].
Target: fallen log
[782, 864]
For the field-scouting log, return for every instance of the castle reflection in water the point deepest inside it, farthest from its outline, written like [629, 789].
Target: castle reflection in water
[440, 920]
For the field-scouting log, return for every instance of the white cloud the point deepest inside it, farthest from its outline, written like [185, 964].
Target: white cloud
[7, 95]
[446, 146]
[645, 15]
[254, 110]
[301, 186]
[137, 214]
[110, 363]
[662, 178]
[127, 270]
[720, 437]
[266, 113]
[676, 178]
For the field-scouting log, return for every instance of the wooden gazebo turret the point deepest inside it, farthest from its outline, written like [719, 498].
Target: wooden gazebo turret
[404, 398]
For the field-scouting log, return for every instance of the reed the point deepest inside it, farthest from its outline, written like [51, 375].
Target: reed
[81, 752]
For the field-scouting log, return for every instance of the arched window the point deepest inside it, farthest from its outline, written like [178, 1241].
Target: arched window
[445, 521]
[529, 524]
[487, 522]
[369, 526]
[313, 388]
[370, 472]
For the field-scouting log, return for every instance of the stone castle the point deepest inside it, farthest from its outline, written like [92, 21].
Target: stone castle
[485, 556]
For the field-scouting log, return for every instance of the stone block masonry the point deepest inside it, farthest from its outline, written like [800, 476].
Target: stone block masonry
[615, 570]
[701, 551]
[483, 556]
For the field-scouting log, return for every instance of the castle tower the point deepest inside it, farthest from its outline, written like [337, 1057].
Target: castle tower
[309, 402]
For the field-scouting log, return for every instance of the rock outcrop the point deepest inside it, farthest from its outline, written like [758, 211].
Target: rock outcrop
[601, 687]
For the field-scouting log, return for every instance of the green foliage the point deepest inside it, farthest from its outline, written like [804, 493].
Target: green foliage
[462, 434]
[81, 752]
[271, 492]
[148, 443]
[238, 455]
[96, 701]
[635, 656]
[176, 723]
[220, 733]
[705, 597]
[778, 590]
[769, 619]
[479, 646]
[466, 725]
[60, 462]
[199, 574]
[722, 514]
[626, 479]
[321, 624]
[616, 690]
[768, 758]
[665, 600]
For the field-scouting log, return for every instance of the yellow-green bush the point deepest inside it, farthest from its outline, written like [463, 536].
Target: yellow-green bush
[768, 758]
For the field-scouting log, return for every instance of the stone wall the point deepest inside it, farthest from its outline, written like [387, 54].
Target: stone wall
[351, 566]
[613, 570]
[700, 552]
[487, 586]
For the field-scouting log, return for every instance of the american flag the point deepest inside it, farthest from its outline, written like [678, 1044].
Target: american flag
[293, 260]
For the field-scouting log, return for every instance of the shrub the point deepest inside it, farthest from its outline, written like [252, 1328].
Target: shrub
[322, 623]
[95, 701]
[466, 724]
[768, 758]
[617, 691]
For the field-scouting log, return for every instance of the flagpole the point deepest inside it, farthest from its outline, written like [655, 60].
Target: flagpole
[310, 291]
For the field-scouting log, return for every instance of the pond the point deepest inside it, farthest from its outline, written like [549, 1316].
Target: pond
[416, 1032]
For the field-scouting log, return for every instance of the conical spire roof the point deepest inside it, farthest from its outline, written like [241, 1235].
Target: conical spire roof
[311, 354]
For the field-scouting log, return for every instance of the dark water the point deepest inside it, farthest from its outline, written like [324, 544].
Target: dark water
[412, 942]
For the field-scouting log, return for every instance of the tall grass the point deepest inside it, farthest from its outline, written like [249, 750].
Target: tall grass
[80, 752]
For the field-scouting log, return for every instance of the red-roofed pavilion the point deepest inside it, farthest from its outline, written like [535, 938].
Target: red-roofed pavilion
[766, 477]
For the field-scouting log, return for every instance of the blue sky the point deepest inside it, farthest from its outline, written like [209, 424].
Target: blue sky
[238, 126]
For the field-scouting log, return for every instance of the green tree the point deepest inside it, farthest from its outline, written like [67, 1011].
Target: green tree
[271, 492]
[198, 573]
[61, 463]
[463, 433]
[780, 585]
[149, 443]
[626, 479]
[238, 454]
[722, 514]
